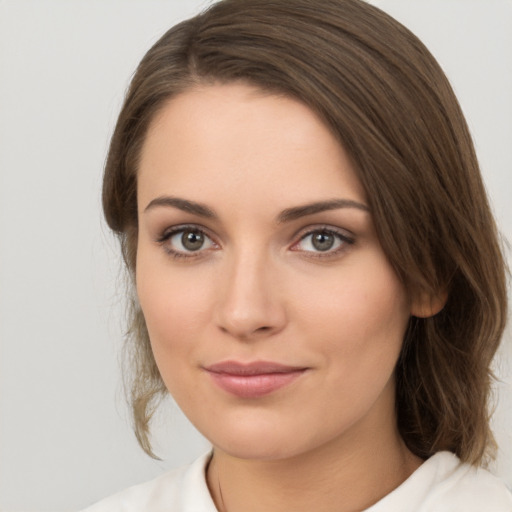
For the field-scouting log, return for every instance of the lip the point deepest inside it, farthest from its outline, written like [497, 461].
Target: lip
[253, 380]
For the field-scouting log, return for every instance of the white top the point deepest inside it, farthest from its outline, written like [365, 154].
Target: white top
[441, 484]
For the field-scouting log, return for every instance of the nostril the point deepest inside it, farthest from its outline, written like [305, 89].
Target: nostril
[263, 329]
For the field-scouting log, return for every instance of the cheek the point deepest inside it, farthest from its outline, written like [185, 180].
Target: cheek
[360, 315]
[357, 326]
[175, 309]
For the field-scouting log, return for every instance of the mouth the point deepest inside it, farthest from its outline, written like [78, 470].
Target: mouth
[253, 380]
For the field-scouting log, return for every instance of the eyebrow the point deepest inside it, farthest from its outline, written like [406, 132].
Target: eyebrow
[286, 215]
[182, 204]
[321, 206]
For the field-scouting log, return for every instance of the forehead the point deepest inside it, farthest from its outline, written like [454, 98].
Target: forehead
[216, 140]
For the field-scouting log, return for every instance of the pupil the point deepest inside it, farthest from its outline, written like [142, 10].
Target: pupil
[323, 241]
[192, 240]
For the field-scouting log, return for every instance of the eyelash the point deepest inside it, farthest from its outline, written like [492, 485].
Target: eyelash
[343, 239]
[169, 233]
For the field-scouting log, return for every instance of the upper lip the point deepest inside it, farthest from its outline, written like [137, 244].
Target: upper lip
[252, 368]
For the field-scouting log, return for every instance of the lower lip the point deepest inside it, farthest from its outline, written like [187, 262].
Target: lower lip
[254, 386]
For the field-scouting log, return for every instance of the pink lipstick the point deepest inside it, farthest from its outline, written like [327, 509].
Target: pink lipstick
[253, 380]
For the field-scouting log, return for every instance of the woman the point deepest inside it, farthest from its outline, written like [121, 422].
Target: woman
[318, 279]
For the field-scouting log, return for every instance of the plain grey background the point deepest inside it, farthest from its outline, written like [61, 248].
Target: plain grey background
[65, 438]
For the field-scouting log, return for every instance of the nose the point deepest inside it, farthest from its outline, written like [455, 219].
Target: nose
[250, 304]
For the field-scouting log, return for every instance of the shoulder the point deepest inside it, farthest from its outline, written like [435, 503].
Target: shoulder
[183, 489]
[469, 488]
[444, 484]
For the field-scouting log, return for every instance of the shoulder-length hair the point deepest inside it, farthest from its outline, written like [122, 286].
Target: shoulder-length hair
[386, 99]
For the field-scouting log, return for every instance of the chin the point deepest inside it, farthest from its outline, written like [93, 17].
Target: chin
[265, 450]
[255, 440]
[269, 442]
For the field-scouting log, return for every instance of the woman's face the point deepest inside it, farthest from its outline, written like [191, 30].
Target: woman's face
[275, 319]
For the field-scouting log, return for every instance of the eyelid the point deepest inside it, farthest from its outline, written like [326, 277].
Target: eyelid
[344, 236]
[176, 228]
[171, 231]
[347, 239]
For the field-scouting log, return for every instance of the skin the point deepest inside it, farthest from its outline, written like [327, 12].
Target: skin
[258, 289]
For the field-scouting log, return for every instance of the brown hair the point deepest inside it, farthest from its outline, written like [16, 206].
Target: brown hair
[386, 99]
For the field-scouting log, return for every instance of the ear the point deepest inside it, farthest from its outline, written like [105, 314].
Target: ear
[426, 304]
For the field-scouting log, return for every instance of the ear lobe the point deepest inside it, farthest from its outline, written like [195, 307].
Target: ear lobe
[426, 305]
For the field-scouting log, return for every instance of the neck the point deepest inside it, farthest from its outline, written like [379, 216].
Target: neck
[343, 476]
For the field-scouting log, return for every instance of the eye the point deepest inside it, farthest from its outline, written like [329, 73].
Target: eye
[320, 241]
[185, 241]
